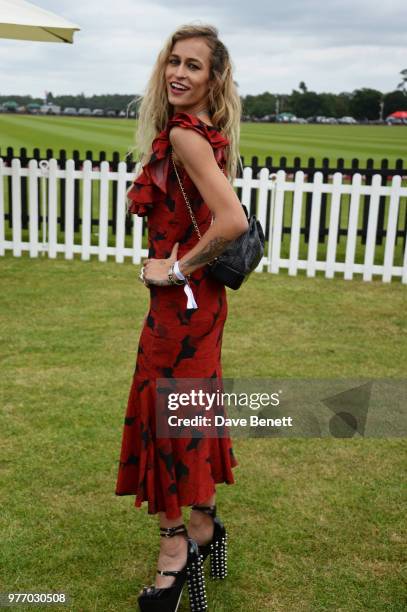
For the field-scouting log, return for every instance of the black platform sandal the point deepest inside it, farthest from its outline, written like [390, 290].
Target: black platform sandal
[155, 599]
[217, 547]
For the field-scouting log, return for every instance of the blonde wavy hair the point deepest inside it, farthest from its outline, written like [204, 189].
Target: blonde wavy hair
[224, 101]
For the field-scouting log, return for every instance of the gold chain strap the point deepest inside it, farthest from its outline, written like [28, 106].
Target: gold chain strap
[185, 198]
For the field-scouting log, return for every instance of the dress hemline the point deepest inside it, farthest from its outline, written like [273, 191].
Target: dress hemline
[138, 503]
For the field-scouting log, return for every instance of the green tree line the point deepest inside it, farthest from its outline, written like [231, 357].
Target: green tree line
[361, 104]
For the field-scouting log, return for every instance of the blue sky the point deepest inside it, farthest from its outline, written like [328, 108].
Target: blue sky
[331, 45]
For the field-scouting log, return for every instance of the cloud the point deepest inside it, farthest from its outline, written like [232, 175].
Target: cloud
[332, 46]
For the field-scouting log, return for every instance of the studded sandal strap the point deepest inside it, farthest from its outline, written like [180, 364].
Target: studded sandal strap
[210, 510]
[169, 532]
[168, 572]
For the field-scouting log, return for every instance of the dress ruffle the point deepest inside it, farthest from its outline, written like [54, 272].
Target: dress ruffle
[151, 184]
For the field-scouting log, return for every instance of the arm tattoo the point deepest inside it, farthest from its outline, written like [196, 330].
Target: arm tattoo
[214, 248]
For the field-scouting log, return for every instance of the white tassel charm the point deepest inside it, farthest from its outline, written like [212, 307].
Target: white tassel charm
[191, 303]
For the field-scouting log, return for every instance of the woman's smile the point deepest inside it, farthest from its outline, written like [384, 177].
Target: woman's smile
[178, 88]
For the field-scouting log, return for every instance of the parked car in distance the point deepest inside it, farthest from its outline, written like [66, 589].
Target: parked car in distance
[285, 117]
[347, 120]
[394, 121]
[266, 118]
[50, 109]
[33, 108]
[70, 110]
[299, 120]
[84, 111]
[98, 112]
[10, 106]
[110, 113]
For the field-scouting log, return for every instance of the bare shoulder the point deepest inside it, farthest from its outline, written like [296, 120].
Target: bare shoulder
[179, 135]
[189, 145]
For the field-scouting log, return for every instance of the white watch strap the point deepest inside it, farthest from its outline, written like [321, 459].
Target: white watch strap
[178, 272]
[187, 289]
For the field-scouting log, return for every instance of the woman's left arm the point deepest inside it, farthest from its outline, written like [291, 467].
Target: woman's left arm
[196, 154]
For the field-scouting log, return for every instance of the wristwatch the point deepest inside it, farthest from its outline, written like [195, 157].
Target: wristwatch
[174, 280]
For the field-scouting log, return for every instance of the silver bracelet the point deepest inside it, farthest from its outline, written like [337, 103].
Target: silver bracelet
[174, 280]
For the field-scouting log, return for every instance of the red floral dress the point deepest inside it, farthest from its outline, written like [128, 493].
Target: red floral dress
[175, 341]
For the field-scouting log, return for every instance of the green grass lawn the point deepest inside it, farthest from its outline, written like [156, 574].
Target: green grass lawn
[314, 524]
[261, 139]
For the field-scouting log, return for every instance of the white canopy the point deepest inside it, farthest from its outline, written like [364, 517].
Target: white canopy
[24, 21]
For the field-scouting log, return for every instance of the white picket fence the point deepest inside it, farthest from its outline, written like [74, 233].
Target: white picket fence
[44, 239]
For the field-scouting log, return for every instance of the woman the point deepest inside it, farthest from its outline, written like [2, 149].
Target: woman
[188, 133]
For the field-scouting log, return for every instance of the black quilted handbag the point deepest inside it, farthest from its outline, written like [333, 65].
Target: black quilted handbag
[241, 257]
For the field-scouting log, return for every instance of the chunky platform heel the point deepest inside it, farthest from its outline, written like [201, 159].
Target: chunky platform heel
[217, 547]
[155, 599]
[196, 581]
